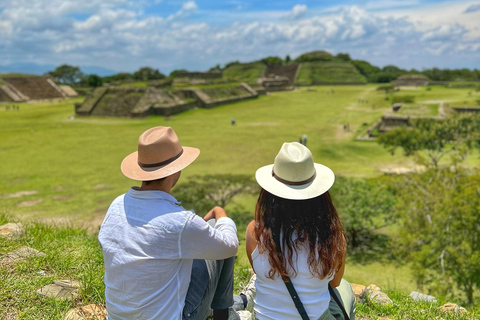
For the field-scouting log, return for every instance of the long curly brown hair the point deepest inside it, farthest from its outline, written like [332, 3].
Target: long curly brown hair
[316, 225]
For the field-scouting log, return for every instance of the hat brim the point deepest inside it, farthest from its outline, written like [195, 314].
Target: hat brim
[323, 181]
[132, 170]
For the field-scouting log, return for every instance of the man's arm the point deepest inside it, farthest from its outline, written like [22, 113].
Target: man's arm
[201, 241]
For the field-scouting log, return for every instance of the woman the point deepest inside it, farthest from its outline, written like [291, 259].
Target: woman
[294, 212]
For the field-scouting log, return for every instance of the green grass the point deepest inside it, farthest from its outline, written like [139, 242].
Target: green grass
[244, 71]
[70, 253]
[74, 254]
[74, 164]
[403, 307]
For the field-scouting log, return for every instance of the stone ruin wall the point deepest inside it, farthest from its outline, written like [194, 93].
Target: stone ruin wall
[290, 72]
[142, 102]
[199, 75]
[410, 82]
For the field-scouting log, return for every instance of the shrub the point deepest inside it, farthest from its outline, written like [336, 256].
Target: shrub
[403, 99]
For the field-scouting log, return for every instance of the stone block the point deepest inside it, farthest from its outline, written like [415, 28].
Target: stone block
[88, 312]
[60, 289]
[12, 230]
[19, 255]
[450, 307]
[417, 296]
[375, 294]
[359, 291]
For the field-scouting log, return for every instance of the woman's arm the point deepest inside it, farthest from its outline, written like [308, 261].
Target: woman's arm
[337, 278]
[250, 241]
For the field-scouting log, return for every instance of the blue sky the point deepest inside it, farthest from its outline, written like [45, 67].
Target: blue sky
[123, 35]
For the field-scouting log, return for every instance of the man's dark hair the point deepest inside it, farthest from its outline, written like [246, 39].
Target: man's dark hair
[152, 181]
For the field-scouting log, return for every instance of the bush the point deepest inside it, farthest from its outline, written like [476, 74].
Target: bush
[363, 206]
[403, 99]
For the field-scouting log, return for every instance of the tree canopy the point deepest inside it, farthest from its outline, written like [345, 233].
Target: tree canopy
[429, 140]
[66, 74]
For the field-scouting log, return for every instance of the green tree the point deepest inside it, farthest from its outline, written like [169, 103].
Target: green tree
[315, 56]
[272, 60]
[174, 73]
[429, 140]
[439, 212]
[232, 63]
[364, 206]
[287, 59]
[66, 74]
[201, 193]
[147, 73]
[343, 57]
[94, 81]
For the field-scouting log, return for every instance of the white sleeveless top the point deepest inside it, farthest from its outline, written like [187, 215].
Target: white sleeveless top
[273, 302]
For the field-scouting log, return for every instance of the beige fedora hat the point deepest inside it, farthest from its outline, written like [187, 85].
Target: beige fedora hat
[159, 155]
[294, 175]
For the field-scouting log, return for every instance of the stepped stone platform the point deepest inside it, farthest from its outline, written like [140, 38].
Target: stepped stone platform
[143, 102]
[279, 77]
[29, 88]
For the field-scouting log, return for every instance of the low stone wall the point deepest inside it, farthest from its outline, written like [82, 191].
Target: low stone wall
[199, 75]
[466, 109]
[171, 110]
[205, 101]
[321, 83]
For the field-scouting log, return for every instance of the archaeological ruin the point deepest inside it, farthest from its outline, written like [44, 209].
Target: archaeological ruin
[411, 80]
[20, 89]
[142, 102]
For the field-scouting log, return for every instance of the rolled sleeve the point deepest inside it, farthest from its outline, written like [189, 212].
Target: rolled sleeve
[200, 241]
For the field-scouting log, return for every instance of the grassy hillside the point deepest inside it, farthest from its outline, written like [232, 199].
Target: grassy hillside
[244, 71]
[311, 73]
[74, 254]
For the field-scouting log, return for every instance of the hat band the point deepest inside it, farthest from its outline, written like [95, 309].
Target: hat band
[163, 163]
[294, 183]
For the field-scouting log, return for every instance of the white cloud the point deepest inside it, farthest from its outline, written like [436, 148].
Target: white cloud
[298, 11]
[115, 34]
[190, 5]
[473, 8]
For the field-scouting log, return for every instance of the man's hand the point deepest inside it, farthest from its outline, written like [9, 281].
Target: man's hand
[216, 213]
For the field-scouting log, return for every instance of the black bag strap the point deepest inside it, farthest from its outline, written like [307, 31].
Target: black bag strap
[340, 305]
[295, 298]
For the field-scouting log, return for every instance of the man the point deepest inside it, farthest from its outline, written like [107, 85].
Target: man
[149, 242]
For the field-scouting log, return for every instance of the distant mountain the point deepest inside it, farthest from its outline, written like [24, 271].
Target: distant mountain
[38, 69]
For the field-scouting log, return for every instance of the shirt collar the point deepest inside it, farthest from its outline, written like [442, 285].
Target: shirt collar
[152, 195]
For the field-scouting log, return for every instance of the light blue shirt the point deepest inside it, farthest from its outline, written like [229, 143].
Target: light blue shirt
[149, 242]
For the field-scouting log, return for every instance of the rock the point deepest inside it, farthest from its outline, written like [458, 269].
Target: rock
[19, 255]
[61, 289]
[359, 291]
[88, 312]
[12, 230]
[250, 291]
[245, 315]
[375, 294]
[29, 203]
[417, 296]
[450, 307]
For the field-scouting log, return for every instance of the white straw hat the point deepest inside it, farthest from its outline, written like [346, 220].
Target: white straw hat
[294, 175]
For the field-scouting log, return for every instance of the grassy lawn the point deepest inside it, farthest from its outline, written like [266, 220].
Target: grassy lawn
[55, 166]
